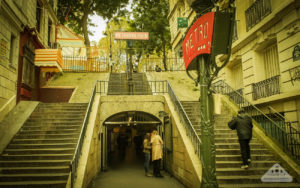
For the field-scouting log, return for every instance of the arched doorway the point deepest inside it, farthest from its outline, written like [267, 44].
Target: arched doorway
[123, 137]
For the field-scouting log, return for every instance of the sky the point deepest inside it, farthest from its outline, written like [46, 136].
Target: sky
[100, 26]
[98, 29]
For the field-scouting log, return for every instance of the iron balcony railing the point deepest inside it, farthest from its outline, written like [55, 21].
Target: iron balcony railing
[77, 153]
[256, 12]
[84, 64]
[286, 137]
[266, 88]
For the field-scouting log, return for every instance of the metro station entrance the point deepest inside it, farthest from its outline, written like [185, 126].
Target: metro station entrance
[123, 138]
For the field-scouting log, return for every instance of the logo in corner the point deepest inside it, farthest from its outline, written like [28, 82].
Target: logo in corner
[276, 174]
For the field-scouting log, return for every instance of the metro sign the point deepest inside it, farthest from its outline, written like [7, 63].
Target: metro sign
[199, 38]
[131, 35]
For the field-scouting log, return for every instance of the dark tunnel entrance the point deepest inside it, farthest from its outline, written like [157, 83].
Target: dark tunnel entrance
[125, 133]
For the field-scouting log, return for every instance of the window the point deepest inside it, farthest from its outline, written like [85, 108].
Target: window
[49, 33]
[12, 49]
[38, 16]
[271, 63]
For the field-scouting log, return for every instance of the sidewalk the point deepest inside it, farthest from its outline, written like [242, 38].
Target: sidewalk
[130, 174]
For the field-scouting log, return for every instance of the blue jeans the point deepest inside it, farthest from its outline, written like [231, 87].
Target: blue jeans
[147, 161]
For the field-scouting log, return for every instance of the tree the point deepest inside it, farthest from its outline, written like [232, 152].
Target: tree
[152, 16]
[75, 13]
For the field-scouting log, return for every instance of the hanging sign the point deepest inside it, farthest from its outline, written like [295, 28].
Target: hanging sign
[182, 22]
[131, 35]
[199, 38]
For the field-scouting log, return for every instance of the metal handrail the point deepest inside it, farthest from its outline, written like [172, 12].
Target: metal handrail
[191, 132]
[278, 133]
[74, 162]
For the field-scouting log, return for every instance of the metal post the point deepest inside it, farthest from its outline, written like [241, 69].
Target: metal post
[207, 148]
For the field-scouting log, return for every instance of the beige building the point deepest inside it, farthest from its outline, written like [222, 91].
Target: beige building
[265, 62]
[26, 25]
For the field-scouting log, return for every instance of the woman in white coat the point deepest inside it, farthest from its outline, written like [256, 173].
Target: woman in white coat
[157, 153]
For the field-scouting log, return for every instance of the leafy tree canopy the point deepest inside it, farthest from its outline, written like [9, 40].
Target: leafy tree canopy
[152, 16]
[75, 13]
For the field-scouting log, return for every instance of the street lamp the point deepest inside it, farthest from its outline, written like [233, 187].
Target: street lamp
[110, 54]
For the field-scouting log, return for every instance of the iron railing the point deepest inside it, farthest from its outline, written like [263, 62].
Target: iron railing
[266, 88]
[274, 128]
[84, 64]
[191, 132]
[77, 153]
[293, 135]
[256, 12]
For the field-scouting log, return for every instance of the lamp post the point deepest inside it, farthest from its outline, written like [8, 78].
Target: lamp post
[110, 53]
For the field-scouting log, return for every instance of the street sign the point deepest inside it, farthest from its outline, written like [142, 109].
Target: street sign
[182, 22]
[131, 35]
[198, 39]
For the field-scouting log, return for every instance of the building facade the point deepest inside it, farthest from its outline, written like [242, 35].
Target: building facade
[265, 60]
[26, 25]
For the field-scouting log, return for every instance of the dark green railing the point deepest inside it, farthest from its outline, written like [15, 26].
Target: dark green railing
[283, 134]
[75, 160]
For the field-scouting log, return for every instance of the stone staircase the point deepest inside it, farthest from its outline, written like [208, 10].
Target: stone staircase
[228, 158]
[120, 85]
[40, 154]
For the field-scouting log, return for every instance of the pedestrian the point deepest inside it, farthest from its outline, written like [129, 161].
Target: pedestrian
[242, 123]
[147, 151]
[157, 145]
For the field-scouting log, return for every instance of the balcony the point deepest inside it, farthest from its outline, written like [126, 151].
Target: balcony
[257, 12]
[266, 88]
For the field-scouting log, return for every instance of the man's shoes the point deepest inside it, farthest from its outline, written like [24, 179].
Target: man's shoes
[244, 166]
[160, 176]
[148, 174]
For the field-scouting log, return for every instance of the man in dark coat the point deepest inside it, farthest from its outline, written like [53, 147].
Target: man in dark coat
[243, 125]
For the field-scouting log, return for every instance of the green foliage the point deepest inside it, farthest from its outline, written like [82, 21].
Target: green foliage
[77, 12]
[152, 16]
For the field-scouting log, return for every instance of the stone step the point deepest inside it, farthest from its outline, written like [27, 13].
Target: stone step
[233, 140]
[58, 116]
[29, 170]
[65, 112]
[38, 132]
[237, 146]
[238, 152]
[43, 140]
[237, 164]
[37, 157]
[33, 177]
[51, 127]
[239, 171]
[256, 157]
[40, 136]
[235, 181]
[47, 119]
[42, 123]
[30, 163]
[261, 185]
[61, 110]
[61, 104]
[34, 184]
[39, 151]
[36, 146]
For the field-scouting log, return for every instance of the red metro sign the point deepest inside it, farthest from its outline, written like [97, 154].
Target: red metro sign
[199, 38]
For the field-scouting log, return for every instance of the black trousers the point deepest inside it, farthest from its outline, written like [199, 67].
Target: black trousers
[156, 167]
[245, 150]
